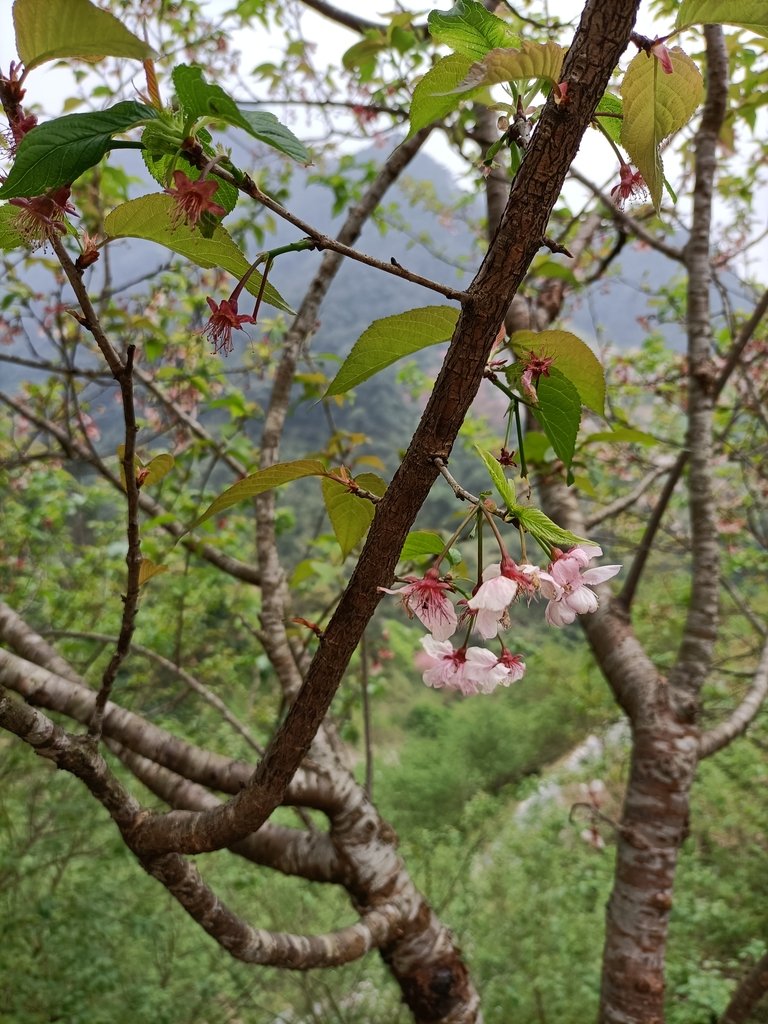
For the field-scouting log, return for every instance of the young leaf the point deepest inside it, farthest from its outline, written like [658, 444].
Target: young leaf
[150, 218]
[157, 468]
[655, 106]
[573, 358]
[9, 236]
[148, 569]
[258, 483]
[611, 106]
[751, 14]
[349, 514]
[57, 152]
[470, 30]
[199, 98]
[559, 413]
[419, 543]
[49, 29]
[435, 94]
[623, 435]
[532, 60]
[503, 486]
[542, 529]
[390, 339]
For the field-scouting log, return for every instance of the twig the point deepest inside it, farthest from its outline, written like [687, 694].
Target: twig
[741, 718]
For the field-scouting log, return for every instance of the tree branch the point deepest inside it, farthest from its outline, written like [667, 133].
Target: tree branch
[741, 718]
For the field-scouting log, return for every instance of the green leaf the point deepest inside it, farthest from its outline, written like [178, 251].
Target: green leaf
[623, 435]
[148, 569]
[542, 529]
[150, 218]
[49, 29]
[612, 105]
[57, 152]
[532, 60]
[434, 96]
[390, 339]
[349, 514]
[157, 468]
[751, 14]
[503, 486]
[9, 236]
[258, 483]
[199, 98]
[419, 543]
[656, 106]
[470, 30]
[559, 413]
[573, 358]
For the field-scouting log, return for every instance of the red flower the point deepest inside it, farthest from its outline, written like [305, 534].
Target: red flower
[631, 184]
[223, 320]
[192, 199]
[41, 216]
[534, 368]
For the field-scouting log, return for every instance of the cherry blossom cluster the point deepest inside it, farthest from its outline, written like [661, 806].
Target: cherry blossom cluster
[566, 585]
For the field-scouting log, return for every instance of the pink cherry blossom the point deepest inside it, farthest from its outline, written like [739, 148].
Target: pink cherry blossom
[469, 670]
[534, 368]
[661, 53]
[425, 598]
[631, 184]
[567, 587]
[500, 586]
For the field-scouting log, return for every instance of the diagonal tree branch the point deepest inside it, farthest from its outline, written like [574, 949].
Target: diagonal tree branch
[741, 718]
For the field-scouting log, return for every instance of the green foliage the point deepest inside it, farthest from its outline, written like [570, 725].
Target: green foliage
[504, 486]
[49, 29]
[470, 30]
[656, 106]
[531, 62]
[751, 14]
[151, 218]
[59, 151]
[390, 339]
[572, 357]
[435, 94]
[350, 514]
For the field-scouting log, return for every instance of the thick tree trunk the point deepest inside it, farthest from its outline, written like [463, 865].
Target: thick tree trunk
[653, 826]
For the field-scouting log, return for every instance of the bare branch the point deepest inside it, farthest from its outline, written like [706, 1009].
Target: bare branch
[750, 991]
[742, 717]
[627, 500]
[700, 631]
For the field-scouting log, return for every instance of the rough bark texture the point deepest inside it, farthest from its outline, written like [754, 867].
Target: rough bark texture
[752, 990]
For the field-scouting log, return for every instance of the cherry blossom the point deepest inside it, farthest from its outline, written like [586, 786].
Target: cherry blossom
[192, 199]
[425, 598]
[568, 588]
[223, 320]
[42, 217]
[631, 184]
[534, 367]
[469, 670]
[500, 586]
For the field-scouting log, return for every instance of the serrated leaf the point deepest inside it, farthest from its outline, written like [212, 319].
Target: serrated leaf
[610, 105]
[470, 30]
[9, 236]
[503, 486]
[573, 358]
[49, 29]
[542, 529]
[419, 543]
[751, 14]
[559, 413]
[148, 569]
[390, 339]
[150, 218]
[623, 435]
[157, 468]
[258, 483]
[434, 96]
[199, 98]
[532, 60]
[59, 151]
[349, 514]
[656, 106]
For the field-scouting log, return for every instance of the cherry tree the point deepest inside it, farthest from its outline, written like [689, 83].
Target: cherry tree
[516, 94]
